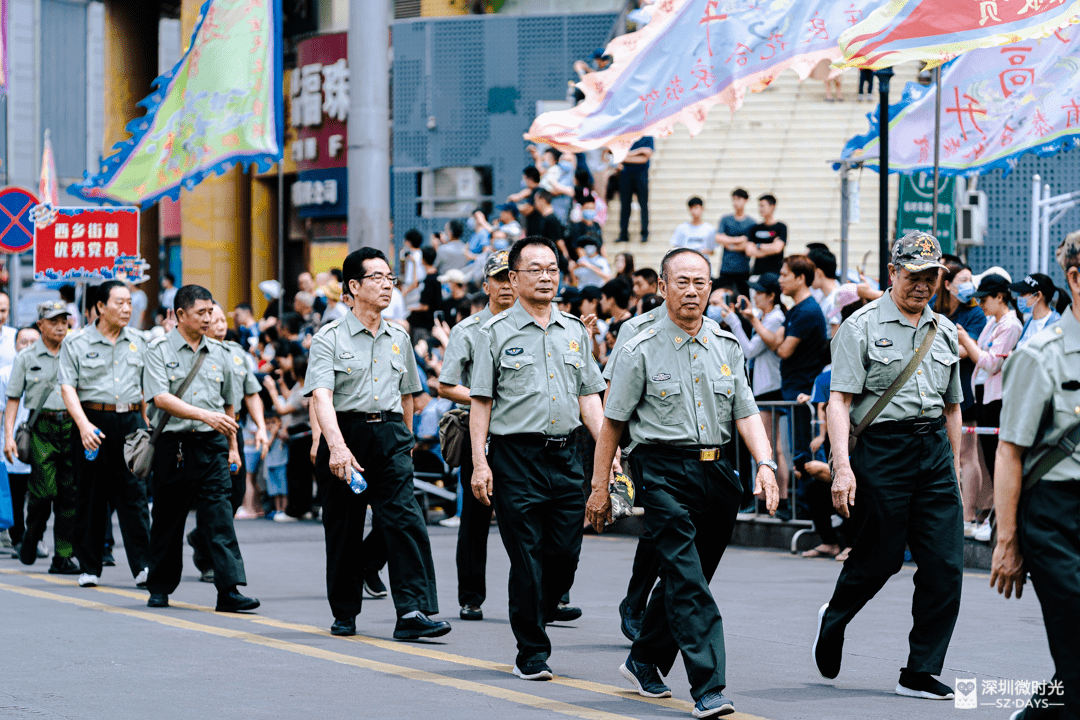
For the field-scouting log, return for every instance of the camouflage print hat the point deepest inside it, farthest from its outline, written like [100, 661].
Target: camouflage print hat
[917, 251]
[52, 309]
[497, 262]
[1068, 252]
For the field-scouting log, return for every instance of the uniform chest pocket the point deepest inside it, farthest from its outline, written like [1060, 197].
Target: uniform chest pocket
[724, 389]
[135, 362]
[573, 364]
[91, 369]
[517, 374]
[666, 399]
[886, 364]
[942, 369]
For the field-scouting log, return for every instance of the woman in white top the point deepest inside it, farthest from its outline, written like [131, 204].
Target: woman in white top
[765, 380]
[1034, 293]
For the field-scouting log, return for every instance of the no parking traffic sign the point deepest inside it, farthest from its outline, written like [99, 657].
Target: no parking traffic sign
[16, 220]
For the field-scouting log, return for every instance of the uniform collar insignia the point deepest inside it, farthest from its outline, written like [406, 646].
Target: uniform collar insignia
[172, 364]
[883, 343]
[345, 355]
[515, 351]
[661, 377]
[91, 355]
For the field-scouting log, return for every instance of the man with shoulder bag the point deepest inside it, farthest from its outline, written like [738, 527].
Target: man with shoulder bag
[454, 383]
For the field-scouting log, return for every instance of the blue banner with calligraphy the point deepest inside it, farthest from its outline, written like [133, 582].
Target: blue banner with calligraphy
[997, 104]
[692, 55]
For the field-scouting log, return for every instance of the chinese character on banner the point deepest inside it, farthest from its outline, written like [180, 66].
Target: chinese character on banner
[970, 109]
[739, 53]
[1016, 78]
[705, 76]
[310, 100]
[774, 40]
[674, 90]
[1039, 125]
[708, 18]
[336, 90]
[988, 11]
[1072, 116]
[649, 99]
[817, 29]
[854, 14]
[87, 243]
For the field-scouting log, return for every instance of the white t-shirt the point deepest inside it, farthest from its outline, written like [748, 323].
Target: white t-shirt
[7, 345]
[21, 416]
[696, 237]
[414, 272]
[585, 272]
[396, 309]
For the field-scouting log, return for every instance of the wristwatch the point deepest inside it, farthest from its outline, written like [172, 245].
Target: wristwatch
[771, 464]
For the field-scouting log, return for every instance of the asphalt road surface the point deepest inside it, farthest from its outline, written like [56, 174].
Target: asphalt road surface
[73, 652]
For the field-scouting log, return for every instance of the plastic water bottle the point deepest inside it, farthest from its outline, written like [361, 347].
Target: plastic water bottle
[91, 455]
[233, 468]
[358, 484]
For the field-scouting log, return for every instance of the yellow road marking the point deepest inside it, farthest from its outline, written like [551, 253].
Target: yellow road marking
[395, 646]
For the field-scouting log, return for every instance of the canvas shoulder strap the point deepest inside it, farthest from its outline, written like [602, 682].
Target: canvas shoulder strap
[909, 370]
[164, 419]
[1056, 454]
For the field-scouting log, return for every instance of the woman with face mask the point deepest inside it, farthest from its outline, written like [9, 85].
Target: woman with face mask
[1035, 292]
[955, 300]
[997, 340]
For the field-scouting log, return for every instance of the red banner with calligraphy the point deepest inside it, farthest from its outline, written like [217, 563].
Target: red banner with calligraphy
[88, 243]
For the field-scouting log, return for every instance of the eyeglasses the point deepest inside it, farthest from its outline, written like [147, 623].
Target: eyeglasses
[380, 278]
[535, 273]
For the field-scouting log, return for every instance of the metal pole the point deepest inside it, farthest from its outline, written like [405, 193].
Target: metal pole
[14, 286]
[883, 76]
[1044, 255]
[937, 140]
[845, 213]
[369, 120]
[1036, 211]
[281, 233]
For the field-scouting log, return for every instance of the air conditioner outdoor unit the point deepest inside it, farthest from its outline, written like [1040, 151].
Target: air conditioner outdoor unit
[973, 218]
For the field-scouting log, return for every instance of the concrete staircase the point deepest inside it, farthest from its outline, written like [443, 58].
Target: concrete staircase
[779, 142]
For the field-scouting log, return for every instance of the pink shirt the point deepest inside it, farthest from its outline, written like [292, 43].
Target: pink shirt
[996, 341]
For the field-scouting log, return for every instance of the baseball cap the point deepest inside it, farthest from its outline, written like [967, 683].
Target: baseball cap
[510, 208]
[767, 283]
[52, 309]
[1033, 283]
[991, 285]
[497, 262]
[453, 276]
[995, 270]
[917, 251]
[570, 294]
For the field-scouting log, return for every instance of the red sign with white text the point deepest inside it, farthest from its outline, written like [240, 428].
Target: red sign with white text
[84, 243]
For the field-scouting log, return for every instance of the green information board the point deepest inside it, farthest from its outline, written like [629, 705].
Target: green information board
[915, 208]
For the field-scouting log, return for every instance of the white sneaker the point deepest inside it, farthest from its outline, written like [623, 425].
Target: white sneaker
[88, 580]
[982, 533]
[140, 579]
[451, 522]
[282, 517]
[42, 550]
[5, 539]
[970, 528]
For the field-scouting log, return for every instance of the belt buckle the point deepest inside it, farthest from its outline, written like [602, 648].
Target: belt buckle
[922, 429]
[554, 442]
[373, 417]
[708, 455]
[124, 407]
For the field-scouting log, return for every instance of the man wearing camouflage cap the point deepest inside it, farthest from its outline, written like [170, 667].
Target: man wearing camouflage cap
[52, 477]
[454, 385]
[1037, 489]
[904, 465]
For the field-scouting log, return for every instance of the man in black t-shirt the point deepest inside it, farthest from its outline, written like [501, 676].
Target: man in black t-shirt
[531, 219]
[550, 227]
[422, 315]
[766, 240]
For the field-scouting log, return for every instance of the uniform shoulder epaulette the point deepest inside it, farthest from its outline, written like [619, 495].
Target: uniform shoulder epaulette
[572, 317]
[469, 321]
[642, 336]
[157, 341]
[721, 332]
[215, 342]
[394, 324]
[327, 328]
[495, 319]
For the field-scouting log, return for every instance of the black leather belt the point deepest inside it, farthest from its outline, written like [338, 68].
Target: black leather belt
[371, 417]
[907, 427]
[104, 407]
[704, 454]
[55, 414]
[537, 440]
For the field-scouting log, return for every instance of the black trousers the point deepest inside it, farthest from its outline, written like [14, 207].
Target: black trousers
[631, 183]
[19, 482]
[643, 575]
[472, 539]
[1049, 534]
[382, 449]
[106, 484]
[201, 479]
[541, 523]
[907, 487]
[690, 511]
[300, 475]
[199, 537]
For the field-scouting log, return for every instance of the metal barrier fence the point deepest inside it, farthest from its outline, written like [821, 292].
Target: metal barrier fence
[777, 417]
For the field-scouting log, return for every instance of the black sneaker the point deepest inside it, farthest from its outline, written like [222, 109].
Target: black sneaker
[644, 678]
[471, 612]
[373, 586]
[420, 626]
[233, 601]
[344, 628]
[158, 600]
[712, 704]
[630, 624]
[827, 652]
[537, 670]
[922, 685]
[107, 560]
[63, 566]
[566, 613]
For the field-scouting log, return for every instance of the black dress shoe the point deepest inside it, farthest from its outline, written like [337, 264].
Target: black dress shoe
[107, 560]
[343, 627]
[471, 612]
[566, 613]
[27, 553]
[373, 586]
[63, 566]
[158, 600]
[233, 601]
[420, 626]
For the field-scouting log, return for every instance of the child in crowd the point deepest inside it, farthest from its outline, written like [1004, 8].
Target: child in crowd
[276, 460]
